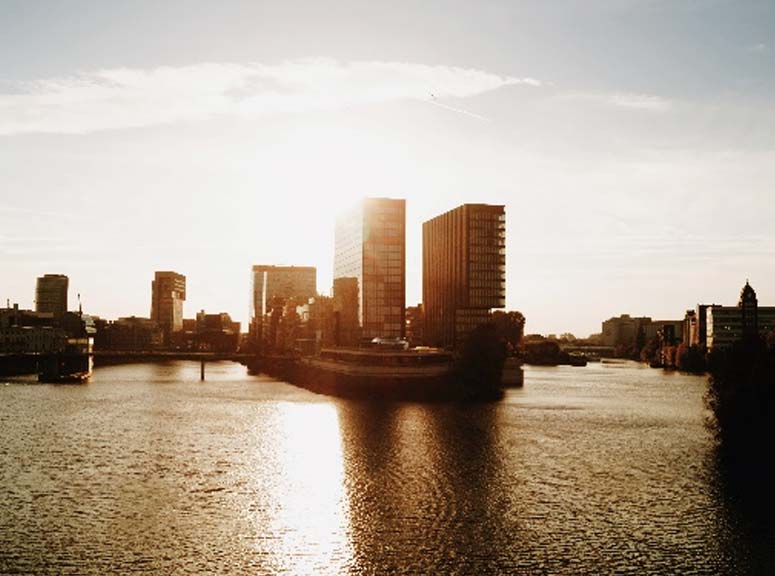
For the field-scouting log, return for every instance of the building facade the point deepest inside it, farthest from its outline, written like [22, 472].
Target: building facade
[464, 271]
[273, 287]
[660, 329]
[729, 324]
[168, 292]
[128, 333]
[370, 247]
[286, 282]
[216, 332]
[695, 332]
[51, 294]
[347, 325]
[415, 325]
[625, 330]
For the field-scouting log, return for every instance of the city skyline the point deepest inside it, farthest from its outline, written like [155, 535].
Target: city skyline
[617, 167]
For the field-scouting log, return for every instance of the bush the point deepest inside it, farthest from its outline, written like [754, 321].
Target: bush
[741, 396]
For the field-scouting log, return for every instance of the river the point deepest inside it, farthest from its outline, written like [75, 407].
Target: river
[604, 469]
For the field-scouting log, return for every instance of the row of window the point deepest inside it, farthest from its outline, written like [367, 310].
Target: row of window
[481, 215]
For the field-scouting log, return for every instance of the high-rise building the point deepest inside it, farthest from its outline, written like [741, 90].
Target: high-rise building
[464, 271]
[286, 282]
[273, 287]
[168, 292]
[370, 246]
[51, 294]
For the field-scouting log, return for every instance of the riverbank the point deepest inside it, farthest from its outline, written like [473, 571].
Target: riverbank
[395, 376]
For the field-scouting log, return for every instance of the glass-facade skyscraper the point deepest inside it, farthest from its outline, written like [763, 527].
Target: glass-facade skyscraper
[370, 247]
[286, 282]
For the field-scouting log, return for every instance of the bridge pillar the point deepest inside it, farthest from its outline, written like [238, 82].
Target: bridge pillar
[202, 370]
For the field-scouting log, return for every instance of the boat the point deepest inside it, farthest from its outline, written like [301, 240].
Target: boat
[74, 362]
[577, 359]
[71, 367]
[69, 378]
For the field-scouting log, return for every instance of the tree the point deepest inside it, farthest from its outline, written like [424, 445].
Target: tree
[648, 353]
[741, 395]
[509, 327]
[689, 359]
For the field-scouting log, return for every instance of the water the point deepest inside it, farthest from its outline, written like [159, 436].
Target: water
[604, 469]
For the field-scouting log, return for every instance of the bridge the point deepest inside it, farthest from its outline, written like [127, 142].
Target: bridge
[27, 362]
[116, 356]
[594, 351]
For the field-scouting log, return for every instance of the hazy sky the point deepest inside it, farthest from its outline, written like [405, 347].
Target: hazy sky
[632, 142]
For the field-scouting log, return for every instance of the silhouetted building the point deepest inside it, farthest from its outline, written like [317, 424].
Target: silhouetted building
[273, 286]
[625, 331]
[51, 294]
[464, 271]
[728, 324]
[216, 332]
[129, 333]
[25, 331]
[370, 247]
[347, 331]
[168, 292]
[317, 324]
[415, 325]
[695, 329]
[658, 329]
[749, 312]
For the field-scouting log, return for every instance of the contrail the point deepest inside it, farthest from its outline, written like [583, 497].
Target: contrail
[458, 110]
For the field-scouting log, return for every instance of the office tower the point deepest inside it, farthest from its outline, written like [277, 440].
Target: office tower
[285, 282]
[274, 286]
[464, 271]
[168, 292]
[51, 294]
[370, 247]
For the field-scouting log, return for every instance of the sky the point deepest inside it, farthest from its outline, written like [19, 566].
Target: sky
[632, 143]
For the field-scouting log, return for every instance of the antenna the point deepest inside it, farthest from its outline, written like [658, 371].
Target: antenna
[80, 309]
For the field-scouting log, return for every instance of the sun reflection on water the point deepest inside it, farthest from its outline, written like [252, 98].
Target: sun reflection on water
[303, 509]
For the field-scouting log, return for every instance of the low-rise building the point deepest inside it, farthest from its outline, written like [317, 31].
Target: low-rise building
[216, 332]
[129, 333]
[625, 330]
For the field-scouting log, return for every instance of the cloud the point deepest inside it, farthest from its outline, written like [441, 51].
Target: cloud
[759, 47]
[630, 100]
[125, 97]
